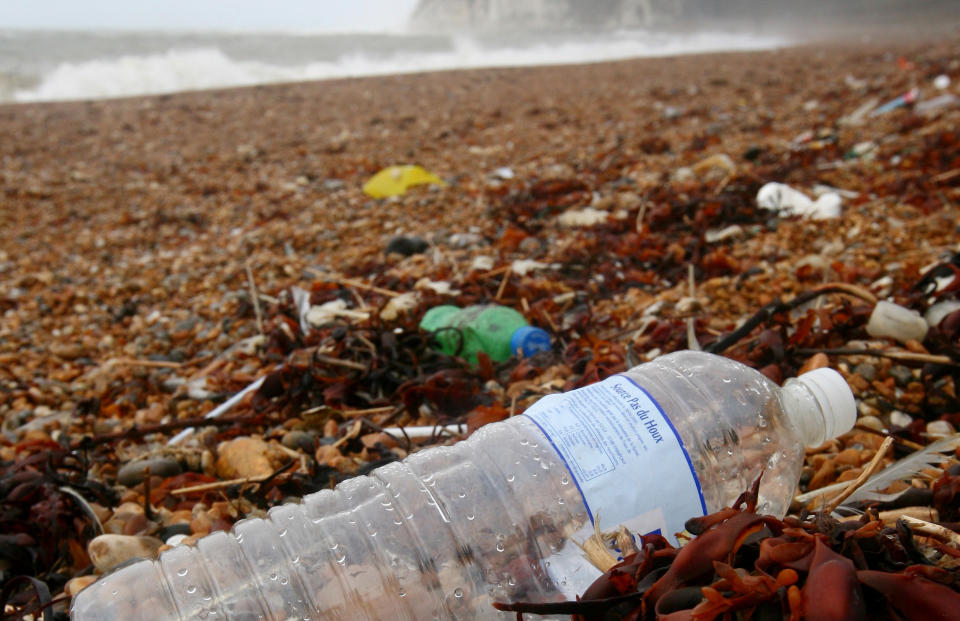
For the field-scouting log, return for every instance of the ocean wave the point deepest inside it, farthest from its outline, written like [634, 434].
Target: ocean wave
[209, 67]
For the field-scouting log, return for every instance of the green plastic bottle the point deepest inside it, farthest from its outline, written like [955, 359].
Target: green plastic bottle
[497, 330]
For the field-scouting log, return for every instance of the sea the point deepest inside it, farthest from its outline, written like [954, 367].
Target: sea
[47, 65]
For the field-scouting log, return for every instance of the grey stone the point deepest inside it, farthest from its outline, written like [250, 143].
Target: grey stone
[866, 370]
[901, 374]
[298, 439]
[133, 473]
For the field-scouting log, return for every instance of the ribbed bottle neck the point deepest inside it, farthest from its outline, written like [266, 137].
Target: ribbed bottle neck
[804, 411]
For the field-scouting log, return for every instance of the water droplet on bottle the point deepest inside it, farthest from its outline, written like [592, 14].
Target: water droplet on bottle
[296, 559]
[559, 500]
[547, 563]
[565, 480]
[726, 380]
[398, 522]
[524, 442]
[402, 593]
[471, 517]
[511, 581]
[458, 592]
[239, 538]
[511, 478]
[282, 532]
[183, 571]
[499, 546]
[461, 494]
[284, 581]
[273, 576]
[192, 589]
[114, 592]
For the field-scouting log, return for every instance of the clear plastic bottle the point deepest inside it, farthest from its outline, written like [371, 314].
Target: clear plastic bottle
[448, 530]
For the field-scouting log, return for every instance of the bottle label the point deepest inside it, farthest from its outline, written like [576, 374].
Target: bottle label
[625, 456]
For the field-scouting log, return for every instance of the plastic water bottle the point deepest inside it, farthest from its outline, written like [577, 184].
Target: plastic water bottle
[497, 330]
[449, 530]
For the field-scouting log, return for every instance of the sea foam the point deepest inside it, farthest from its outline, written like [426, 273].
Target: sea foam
[206, 67]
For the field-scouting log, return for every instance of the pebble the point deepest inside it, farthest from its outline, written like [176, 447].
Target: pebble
[866, 370]
[299, 440]
[245, 457]
[406, 246]
[940, 428]
[75, 585]
[133, 473]
[900, 419]
[871, 422]
[901, 374]
[108, 551]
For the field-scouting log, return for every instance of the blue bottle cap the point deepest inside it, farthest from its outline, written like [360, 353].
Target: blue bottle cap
[530, 340]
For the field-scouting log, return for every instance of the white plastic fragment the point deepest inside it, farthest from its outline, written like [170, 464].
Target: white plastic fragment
[424, 431]
[441, 287]
[522, 267]
[399, 305]
[482, 263]
[889, 320]
[787, 201]
[588, 216]
[942, 81]
[718, 235]
[936, 313]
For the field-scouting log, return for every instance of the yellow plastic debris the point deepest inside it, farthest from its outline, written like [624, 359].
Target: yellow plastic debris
[396, 180]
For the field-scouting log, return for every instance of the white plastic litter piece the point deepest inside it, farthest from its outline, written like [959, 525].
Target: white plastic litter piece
[787, 201]
[889, 320]
[938, 311]
[588, 216]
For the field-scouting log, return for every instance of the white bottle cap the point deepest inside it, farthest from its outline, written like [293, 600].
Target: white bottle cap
[835, 399]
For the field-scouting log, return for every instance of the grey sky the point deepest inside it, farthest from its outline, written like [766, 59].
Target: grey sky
[298, 15]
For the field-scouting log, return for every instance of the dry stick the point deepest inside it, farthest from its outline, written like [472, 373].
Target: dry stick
[205, 487]
[950, 174]
[340, 363]
[350, 282]
[904, 356]
[936, 531]
[872, 467]
[134, 362]
[254, 297]
[358, 413]
[640, 213]
[503, 283]
[494, 272]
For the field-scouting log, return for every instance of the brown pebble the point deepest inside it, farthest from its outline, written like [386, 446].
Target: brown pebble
[849, 475]
[244, 457]
[108, 551]
[849, 457]
[824, 476]
[915, 347]
[75, 585]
